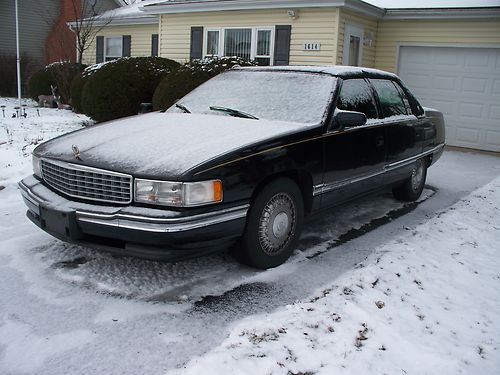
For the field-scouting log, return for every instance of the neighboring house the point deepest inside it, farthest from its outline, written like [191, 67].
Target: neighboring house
[128, 31]
[42, 40]
[449, 57]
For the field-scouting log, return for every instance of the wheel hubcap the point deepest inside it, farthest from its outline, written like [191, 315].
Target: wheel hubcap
[280, 224]
[417, 175]
[277, 223]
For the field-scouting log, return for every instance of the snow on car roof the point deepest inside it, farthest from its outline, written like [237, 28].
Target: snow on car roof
[336, 70]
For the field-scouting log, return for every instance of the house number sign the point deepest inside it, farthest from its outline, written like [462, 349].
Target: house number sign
[312, 46]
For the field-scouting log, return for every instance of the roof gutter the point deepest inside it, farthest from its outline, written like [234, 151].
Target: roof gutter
[191, 6]
[442, 13]
[139, 20]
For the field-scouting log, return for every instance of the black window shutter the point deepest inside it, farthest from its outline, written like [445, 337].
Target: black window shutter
[196, 51]
[99, 49]
[282, 45]
[154, 45]
[127, 40]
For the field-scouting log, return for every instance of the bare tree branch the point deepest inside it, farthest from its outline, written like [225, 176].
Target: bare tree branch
[89, 23]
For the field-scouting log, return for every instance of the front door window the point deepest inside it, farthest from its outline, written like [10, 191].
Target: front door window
[353, 46]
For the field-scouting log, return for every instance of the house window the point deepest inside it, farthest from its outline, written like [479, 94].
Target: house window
[263, 54]
[238, 42]
[113, 48]
[213, 42]
[249, 43]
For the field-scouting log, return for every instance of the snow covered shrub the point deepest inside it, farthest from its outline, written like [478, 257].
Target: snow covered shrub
[8, 73]
[39, 84]
[189, 76]
[117, 88]
[58, 74]
[76, 91]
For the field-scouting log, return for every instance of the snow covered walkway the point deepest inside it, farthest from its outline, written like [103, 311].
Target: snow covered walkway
[427, 302]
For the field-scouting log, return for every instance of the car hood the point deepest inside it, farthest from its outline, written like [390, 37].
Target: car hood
[161, 144]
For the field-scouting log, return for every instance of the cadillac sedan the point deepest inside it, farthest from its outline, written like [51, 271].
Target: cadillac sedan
[240, 161]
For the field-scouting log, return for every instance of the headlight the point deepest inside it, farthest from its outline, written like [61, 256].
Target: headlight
[180, 194]
[37, 166]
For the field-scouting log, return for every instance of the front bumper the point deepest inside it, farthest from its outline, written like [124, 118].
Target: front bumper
[133, 231]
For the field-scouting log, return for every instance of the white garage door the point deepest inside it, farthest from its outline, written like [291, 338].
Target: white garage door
[464, 83]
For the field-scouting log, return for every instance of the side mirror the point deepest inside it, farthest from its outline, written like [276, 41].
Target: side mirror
[348, 119]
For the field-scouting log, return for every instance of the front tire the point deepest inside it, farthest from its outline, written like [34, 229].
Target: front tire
[273, 226]
[412, 187]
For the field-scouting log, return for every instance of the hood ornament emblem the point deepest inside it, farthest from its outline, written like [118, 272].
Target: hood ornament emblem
[76, 151]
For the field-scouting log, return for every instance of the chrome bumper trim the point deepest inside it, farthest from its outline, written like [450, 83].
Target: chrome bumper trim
[164, 225]
[143, 222]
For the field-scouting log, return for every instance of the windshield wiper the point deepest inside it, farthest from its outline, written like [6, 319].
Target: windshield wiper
[182, 108]
[233, 112]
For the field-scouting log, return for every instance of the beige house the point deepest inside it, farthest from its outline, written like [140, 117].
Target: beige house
[450, 58]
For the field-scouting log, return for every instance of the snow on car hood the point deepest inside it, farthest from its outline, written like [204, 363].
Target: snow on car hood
[162, 143]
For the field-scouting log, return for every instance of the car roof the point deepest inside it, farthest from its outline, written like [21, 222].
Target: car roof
[334, 70]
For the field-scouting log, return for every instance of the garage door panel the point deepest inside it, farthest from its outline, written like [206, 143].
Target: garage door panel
[478, 60]
[494, 112]
[464, 83]
[496, 86]
[446, 58]
[468, 135]
[448, 107]
[418, 80]
[474, 85]
[442, 82]
[471, 110]
[493, 139]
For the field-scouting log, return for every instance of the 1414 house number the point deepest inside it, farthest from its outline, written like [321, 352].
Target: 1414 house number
[312, 46]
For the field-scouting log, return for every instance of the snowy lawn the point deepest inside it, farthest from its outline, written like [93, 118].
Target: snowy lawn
[19, 136]
[427, 302]
[69, 309]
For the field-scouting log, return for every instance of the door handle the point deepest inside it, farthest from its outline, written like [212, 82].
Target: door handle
[379, 141]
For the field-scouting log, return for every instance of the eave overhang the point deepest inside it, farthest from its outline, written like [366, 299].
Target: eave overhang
[442, 13]
[191, 6]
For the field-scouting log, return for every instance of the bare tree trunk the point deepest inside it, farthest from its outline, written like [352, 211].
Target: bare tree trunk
[88, 24]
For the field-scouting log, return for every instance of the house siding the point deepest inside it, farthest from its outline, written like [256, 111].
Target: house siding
[140, 40]
[369, 25]
[394, 33]
[312, 25]
[35, 23]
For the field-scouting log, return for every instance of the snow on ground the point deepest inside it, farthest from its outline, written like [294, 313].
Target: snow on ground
[19, 136]
[424, 303]
[69, 309]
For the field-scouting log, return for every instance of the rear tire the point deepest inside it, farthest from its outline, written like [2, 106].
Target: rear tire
[411, 189]
[274, 223]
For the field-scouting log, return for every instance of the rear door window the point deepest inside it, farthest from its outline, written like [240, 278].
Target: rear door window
[356, 95]
[391, 102]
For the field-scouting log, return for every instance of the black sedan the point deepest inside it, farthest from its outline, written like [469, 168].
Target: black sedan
[241, 161]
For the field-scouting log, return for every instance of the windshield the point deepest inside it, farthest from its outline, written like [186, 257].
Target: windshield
[284, 96]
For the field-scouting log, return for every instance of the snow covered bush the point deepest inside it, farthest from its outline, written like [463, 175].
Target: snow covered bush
[8, 78]
[189, 76]
[58, 74]
[117, 88]
[76, 91]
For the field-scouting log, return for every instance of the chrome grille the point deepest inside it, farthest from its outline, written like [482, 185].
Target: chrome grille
[88, 183]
